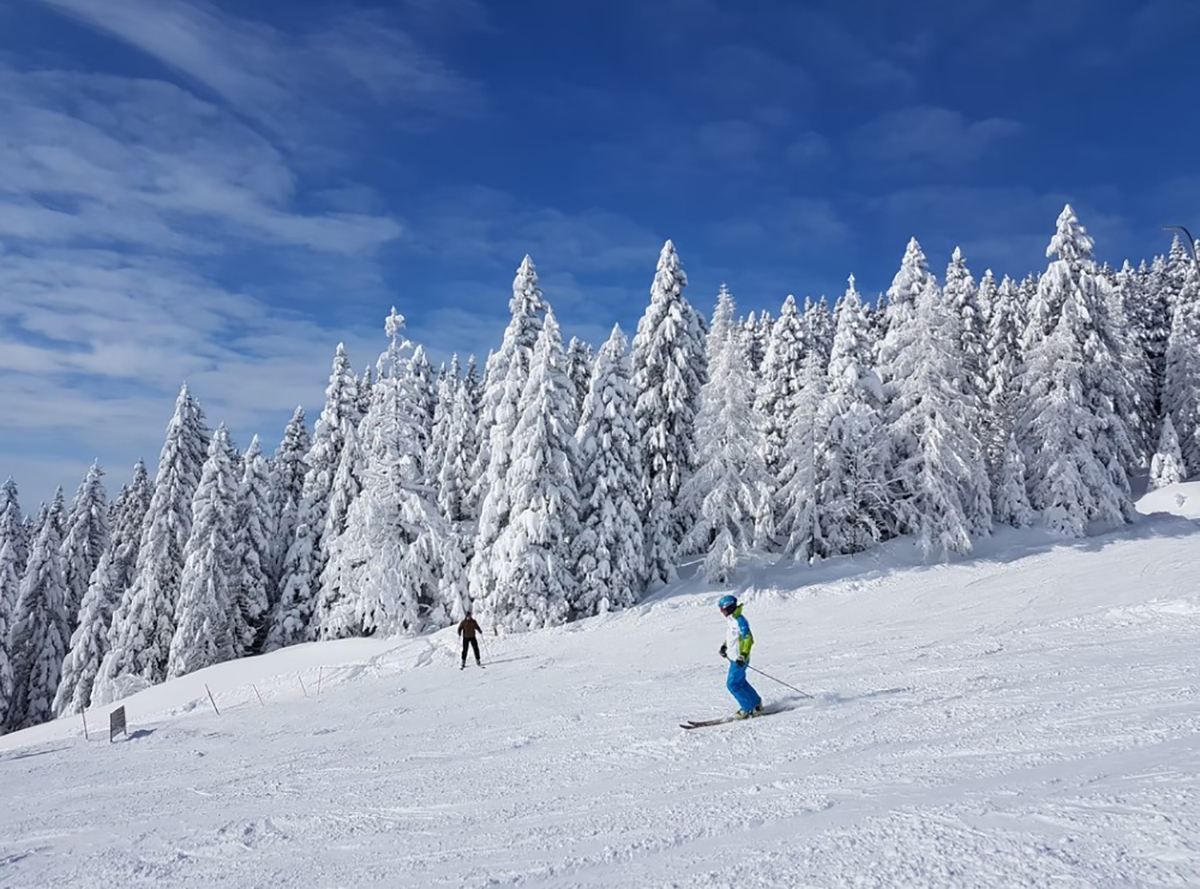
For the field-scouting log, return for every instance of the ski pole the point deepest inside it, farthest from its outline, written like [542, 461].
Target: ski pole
[802, 694]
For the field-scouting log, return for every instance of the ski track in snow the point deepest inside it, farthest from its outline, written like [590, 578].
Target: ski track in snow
[1011, 720]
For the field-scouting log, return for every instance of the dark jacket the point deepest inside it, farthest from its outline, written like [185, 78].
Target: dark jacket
[468, 628]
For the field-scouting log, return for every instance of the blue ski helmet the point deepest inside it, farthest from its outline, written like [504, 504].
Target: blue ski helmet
[728, 604]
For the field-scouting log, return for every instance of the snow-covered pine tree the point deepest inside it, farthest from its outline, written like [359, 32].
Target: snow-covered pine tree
[1011, 498]
[448, 384]
[288, 469]
[535, 581]
[1127, 302]
[1167, 466]
[728, 495]
[796, 486]
[1152, 312]
[897, 324]
[580, 357]
[1077, 445]
[113, 574]
[425, 391]
[756, 349]
[669, 368]
[507, 371]
[144, 622]
[941, 472]
[454, 480]
[608, 551]
[37, 640]
[347, 485]
[254, 534]
[207, 613]
[85, 537]
[293, 616]
[779, 381]
[1181, 380]
[390, 555]
[337, 421]
[366, 382]
[13, 552]
[963, 296]
[854, 488]
[8, 561]
[1005, 358]
[985, 296]
[762, 335]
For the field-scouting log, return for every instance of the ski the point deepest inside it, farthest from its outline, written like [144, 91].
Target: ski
[706, 723]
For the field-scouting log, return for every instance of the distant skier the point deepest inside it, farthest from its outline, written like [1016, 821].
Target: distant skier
[469, 629]
[736, 649]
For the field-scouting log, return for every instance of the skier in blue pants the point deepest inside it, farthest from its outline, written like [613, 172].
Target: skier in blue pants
[736, 649]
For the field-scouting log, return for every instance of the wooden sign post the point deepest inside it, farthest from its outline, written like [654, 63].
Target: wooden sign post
[116, 724]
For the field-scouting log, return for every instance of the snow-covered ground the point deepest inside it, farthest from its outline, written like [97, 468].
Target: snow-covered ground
[1027, 717]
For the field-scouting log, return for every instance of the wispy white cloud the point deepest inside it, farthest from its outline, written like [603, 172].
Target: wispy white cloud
[282, 79]
[930, 134]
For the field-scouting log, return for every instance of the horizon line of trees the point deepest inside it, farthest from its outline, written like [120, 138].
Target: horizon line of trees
[563, 482]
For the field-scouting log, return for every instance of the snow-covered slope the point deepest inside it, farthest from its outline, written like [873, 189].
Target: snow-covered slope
[1029, 717]
[1182, 499]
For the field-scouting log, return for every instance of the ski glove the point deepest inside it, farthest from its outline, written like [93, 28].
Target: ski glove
[723, 651]
[741, 662]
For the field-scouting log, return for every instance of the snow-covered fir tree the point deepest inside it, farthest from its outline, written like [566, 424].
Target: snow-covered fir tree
[13, 550]
[963, 297]
[669, 368]
[1011, 498]
[941, 472]
[254, 534]
[366, 381]
[855, 490]
[288, 469]
[534, 579]
[1069, 294]
[85, 537]
[454, 478]
[1003, 370]
[907, 286]
[1167, 466]
[985, 296]
[347, 485]
[448, 384]
[297, 608]
[797, 487]
[425, 391]
[579, 368]
[1181, 379]
[389, 557]
[507, 371]
[779, 381]
[1151, 310]
[113, 574]
[38, 638]
[1077, 446]
[144, 622]
[756, 347]
[207, 615]
[609, 559]
[728, 495]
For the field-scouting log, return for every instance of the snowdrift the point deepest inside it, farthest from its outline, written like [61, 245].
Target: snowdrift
[1026, 717]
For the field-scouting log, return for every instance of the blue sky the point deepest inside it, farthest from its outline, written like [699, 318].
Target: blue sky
[221, 192]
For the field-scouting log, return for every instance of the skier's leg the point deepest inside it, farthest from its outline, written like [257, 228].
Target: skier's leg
[475, 647]
[746, 697]
[466, 643]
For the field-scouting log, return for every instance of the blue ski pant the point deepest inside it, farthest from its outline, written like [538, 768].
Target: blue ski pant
[741, 690]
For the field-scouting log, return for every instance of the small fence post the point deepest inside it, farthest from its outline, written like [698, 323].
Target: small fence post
[302, 688]
[256, 694]
[86, 736]
[320, 674]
